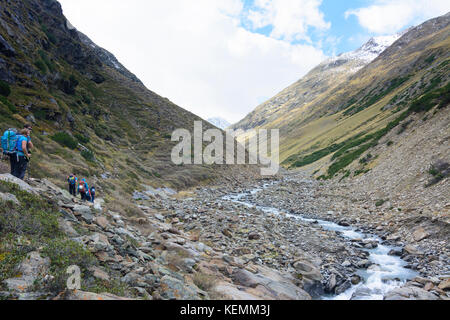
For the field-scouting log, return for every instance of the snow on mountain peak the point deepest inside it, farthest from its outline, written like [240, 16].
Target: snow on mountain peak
[364, 55]
[219, 123]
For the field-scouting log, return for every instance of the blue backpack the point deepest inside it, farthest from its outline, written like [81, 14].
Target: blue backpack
[72, 181]
[9, 141]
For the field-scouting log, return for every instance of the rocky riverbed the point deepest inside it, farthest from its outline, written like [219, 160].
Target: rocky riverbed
[281, 238]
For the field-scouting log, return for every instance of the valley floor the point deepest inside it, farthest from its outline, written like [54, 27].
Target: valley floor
[257, 239]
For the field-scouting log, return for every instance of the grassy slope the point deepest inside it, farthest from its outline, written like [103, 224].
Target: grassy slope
[125, 129]
[369, 101]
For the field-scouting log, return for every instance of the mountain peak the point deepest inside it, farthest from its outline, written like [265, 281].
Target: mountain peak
[219, 122]
[366, 53]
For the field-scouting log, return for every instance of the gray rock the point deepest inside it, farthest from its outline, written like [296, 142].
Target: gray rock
[21, 184]
[140, 196]
[364, 264]
[343, 287]
[9, 197]
[307, 270]
[68, 216]
[85, 212]
[356, 279]
[174, 289]
[410, 293]
[131, 279]
[245, 278]
[32, 268]
[412, 250]
[331, 284]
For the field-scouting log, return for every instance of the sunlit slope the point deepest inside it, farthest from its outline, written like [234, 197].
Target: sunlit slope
[349, 107]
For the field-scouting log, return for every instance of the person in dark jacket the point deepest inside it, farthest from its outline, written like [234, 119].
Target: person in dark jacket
[23, 155]
[83, 189]
[72, 180]
[92, 194]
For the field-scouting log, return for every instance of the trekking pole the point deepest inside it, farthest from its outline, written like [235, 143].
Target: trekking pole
[28, 169]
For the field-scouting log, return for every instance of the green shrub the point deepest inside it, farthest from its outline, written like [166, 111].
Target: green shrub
[439, 97]
[82, 138]
[65, 140]
[380, 202]
[51, 37]
[34, 217]
[439, 170]
[10, 106]
[5, 89]
[40, 114]
[41, 66]
[88, 155]
[62, 255]
[50, 65]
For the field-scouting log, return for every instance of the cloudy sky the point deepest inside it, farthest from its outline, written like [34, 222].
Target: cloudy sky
[221, 58]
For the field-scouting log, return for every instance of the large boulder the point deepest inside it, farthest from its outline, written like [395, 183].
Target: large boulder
[85, 212]
[30, 269]
[83, 296]
[412, 250]
[270, 283]
[20, 183]
[410, 293]
[174, 289]
[307, 270]
[420, 234]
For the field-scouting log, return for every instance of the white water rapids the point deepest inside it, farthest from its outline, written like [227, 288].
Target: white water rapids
[387, 273]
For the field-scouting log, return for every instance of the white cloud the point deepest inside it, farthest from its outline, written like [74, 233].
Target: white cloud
[290, 19]
[389, 16]
[194, 52]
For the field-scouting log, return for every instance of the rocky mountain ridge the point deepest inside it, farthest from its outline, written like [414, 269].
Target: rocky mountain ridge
[322, 78]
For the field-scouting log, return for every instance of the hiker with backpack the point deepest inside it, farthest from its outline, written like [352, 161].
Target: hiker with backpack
[23, 155]
[83, 189]
[9, 142]
[72, 180]
[92, 192]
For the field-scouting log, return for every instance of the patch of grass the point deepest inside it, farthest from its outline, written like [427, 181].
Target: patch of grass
[51, 37]
[439, 97]
[372, 99]
[204, 281]
[380, 202]
[65, 140]
[366, 159]
[34, 217]
[88, 155]
[115, 287]
[346, 175]
[7, 103]
[41, 66]
[50, 65]
[82, 138]
[311, 158]
[360, 171]
[63, 254]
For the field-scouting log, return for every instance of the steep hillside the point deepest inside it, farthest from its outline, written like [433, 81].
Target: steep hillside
[348, 113]
[91, 115]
